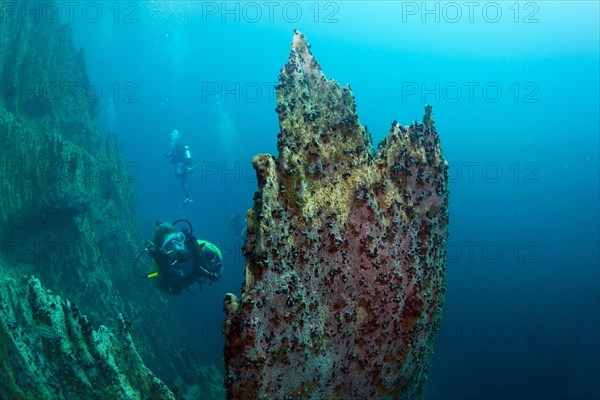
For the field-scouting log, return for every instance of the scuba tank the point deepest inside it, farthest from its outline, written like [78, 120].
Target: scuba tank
[187, 155]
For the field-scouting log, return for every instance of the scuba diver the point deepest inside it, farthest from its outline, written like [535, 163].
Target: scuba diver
[179, 260]
[181, 157]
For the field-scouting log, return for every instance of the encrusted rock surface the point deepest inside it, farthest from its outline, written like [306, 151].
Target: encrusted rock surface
[345, 253]
[50, 350]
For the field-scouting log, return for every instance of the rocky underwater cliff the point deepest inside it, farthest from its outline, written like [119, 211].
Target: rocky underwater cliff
[345, 252]
[73, 325]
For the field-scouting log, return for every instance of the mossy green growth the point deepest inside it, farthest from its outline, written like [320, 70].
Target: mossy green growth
[50, 350]
[67, 211]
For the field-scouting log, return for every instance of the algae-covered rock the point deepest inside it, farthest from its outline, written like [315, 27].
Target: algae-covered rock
[50, 350]
[67, 210]
[345, 253]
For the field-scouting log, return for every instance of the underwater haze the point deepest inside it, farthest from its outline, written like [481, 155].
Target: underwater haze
[515, 95]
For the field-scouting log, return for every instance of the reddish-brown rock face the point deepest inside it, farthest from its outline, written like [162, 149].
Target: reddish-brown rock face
[345, 253]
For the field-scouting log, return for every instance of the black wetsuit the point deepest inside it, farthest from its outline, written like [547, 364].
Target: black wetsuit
[182, 164]
[196, 264]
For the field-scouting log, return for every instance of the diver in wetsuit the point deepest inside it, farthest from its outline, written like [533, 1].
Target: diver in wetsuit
[181, 157]
[180, 260]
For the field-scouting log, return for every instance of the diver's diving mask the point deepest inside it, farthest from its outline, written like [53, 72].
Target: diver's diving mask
[173, 244]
